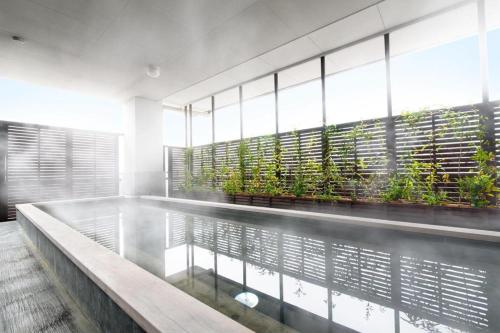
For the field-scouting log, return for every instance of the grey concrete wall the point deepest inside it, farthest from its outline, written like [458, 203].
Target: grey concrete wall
[94, 302]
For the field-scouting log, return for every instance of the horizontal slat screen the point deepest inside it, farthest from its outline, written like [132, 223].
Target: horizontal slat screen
[445, 139]
[46, 163]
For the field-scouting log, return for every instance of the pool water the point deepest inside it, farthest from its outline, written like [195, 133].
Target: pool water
[286, 278]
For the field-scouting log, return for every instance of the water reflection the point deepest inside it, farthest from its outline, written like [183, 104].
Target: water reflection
[305, 281]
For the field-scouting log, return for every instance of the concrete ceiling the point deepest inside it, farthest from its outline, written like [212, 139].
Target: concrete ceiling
[102, 47]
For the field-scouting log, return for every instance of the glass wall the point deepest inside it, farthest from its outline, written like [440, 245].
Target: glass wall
[299, 97]
[428, 70]
[175, 133]
[355, 85]
[227, 115]
[202, 122]
[493, 37]
[435, 63]
[259, 108]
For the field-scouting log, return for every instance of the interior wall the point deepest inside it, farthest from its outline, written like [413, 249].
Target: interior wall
[143, 172]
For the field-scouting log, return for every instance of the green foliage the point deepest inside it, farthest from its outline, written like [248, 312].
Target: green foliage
[419, 180]
[274, 177]
[345, 169]
[298, 181]
[480, 188]
[243, 162]
[232, 184]
[256, 184]
[396, 189]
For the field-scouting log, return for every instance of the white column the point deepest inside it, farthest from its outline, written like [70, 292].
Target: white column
[143, 172]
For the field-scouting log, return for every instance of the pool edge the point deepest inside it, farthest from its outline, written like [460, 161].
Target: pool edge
[419, 228]
[159, 307]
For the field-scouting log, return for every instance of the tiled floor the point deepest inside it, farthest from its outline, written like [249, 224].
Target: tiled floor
[30, 299]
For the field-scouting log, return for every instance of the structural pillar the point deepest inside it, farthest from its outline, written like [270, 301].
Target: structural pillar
[143, 174]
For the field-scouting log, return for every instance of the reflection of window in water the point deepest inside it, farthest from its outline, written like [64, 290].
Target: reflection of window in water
[360, 277]
[361, 315]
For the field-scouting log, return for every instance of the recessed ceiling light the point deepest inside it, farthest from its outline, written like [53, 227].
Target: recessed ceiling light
[153, 71]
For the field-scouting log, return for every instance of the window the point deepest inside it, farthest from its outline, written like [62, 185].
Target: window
[435, 63]
[202, 122]
[175, 128]
[493, 38]
[30, 103]
[300, 97]
[355, 84]
[227, 116]
[259, 108]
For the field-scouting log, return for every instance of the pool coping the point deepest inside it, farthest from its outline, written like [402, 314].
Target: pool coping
[422, 228]
[158, 307]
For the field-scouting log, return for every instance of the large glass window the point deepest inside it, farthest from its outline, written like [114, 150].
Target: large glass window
[202, 122]
[300, 97]
[355, 84]
[227, 115]
[259, 108]
[174, 125]
[493, 37]
[435, 63]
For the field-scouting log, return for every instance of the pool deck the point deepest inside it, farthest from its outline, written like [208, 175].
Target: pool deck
[30, 298]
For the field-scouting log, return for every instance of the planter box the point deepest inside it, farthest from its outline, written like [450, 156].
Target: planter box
[456, 216]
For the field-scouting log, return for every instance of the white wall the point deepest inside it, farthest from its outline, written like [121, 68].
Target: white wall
[143, 172]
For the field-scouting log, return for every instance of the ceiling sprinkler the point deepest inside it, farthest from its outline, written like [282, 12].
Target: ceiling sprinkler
[153, 71]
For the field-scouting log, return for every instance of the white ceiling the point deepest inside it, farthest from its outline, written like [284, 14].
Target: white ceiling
[102, 47]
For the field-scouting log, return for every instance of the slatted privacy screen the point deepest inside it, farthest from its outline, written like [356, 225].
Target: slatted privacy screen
[46, 163]
[446, 139]
[177, 166]
[94, 164]
[359, 151]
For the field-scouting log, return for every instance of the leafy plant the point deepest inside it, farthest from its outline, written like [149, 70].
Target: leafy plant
[419, 180]
[298, 181]
[275, 171]
[243, 162]
[480, 188]
[396, 189]
[232, 184]
[312, 177]
[256, 184]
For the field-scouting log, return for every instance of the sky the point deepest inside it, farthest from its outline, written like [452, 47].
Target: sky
[30, 103]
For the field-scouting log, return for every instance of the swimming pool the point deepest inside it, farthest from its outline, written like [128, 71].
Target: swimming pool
[275, 271]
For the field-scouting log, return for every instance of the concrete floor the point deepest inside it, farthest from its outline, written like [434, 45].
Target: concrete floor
[30, 298]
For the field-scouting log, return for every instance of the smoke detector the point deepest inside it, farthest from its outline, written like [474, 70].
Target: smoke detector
[18, 39]
[153, 71]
